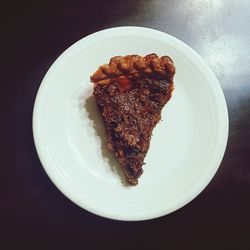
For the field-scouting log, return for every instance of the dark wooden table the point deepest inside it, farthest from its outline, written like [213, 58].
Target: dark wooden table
[33, 213]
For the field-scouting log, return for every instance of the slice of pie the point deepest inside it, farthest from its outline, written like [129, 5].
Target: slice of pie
[130, 92]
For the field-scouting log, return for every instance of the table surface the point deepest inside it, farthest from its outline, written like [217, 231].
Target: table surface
[34, 214]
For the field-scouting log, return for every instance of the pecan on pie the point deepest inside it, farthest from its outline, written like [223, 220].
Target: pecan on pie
[130, 93]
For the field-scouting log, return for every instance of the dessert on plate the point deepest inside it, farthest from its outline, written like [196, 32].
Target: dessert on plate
[131, 92]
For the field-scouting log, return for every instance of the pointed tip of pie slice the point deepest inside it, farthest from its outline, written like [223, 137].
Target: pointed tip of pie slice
[130, 178]
[130, 92]
[132, 181]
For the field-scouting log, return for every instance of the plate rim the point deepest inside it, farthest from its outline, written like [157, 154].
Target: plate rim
[68, 193]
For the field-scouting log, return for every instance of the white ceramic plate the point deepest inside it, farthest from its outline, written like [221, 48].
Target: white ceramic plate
[186, 148]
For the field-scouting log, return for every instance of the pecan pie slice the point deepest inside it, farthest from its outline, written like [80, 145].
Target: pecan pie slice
[130, 92]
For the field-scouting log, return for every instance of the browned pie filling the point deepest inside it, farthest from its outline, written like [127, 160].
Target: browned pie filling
[130, 92]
